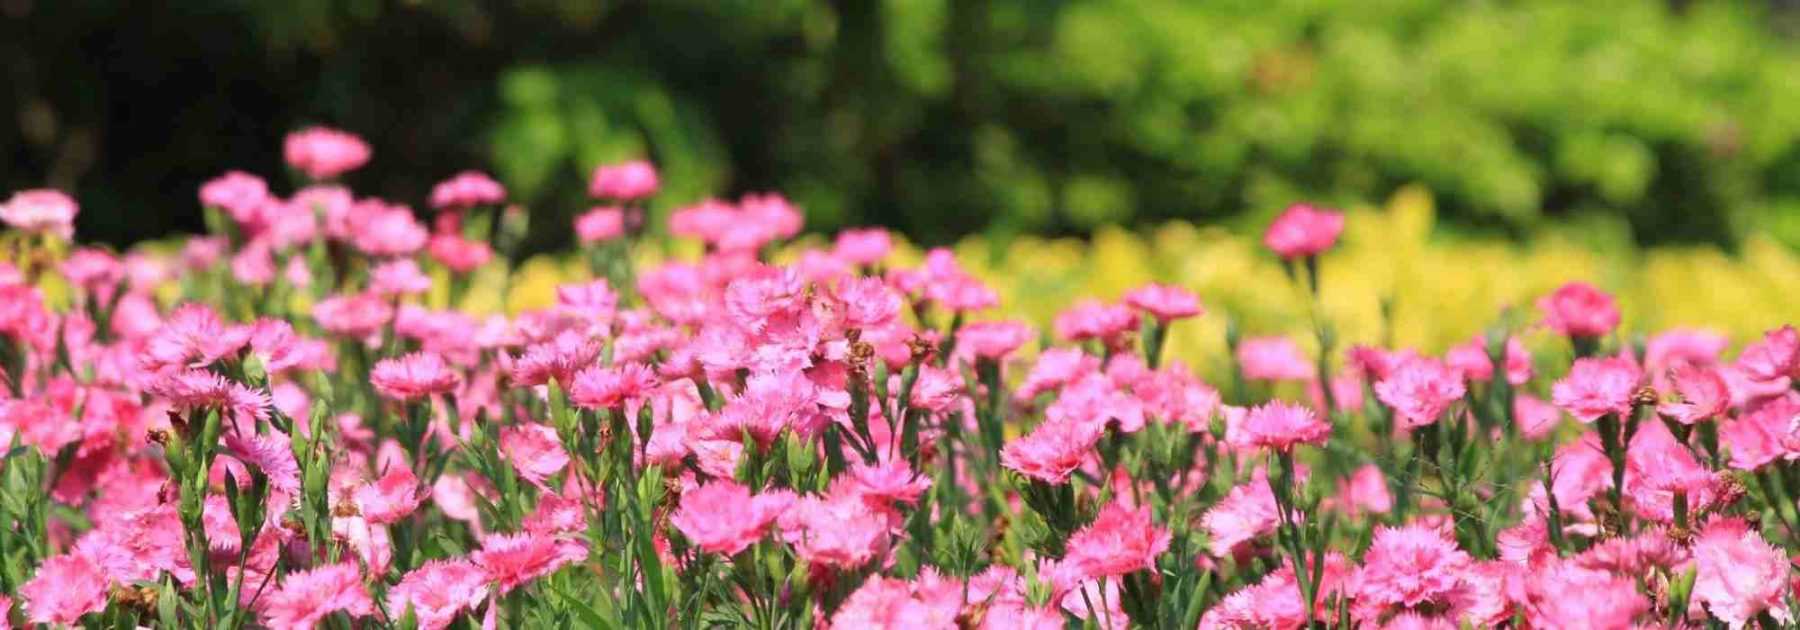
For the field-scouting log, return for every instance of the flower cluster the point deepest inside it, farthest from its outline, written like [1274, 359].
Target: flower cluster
[301, 420]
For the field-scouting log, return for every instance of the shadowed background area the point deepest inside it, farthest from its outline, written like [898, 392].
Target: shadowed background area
[1667, 122]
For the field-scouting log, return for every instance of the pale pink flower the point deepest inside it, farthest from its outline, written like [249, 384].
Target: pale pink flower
[534, 451]
[1121, 540]
[887, 482]
[438, 591]
[1420, 391]
[512, 560]
[1051, 451]
[63, 589]
[399, 276]
[1165, 302]
[1762, 434]
[324, 153]
[391, 498]
[1273, 358]
[866, 302]
[992, 340]
[1277, 426]
[839, 532]
[863, 246]
[1093, 319]
[722, 517]
[390, 231]
[612, 386]
[306, 597]
[466, 190]
[1671, 348]
[1408, 568]
[1740, 574]
[1246, 513]
[1560, 594]
[236, 192]
[1536, 418]
[625, 181]
[1595, 387]
[1366, 491]
[1577, 309]
[413, 376]
[41, 211]
[559, 359]
[1304, 230]
[1774, 356]
[1703, 395]
[929, 602]
[600, 225]
[359, 315]
[1471, 359]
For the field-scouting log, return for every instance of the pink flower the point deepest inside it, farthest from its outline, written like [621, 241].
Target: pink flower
[1246, 513]
[1304, 230]
[867, 302]
[992, 340]
[1051, 451]
[64, 588]
[272, 454]
[1420, 390]
[200, 389]
[466, 190]
[864, 246]
[1406, 568]
[236, 192]
[324, 153]
[534, 451]
[1093, 319]
[625, 181]
[558, 359]
[600, 225]
[400, 276]
[192, 336]
[840, 532]
[412, 376]
[1776, 355]
[1580, 310]
[1561, 594]
[887, 482]
[306, 597]
[458, 254]
[1277, 426]
[1273, 358]
[1595, 387]
[358, 316]
[612, 387]
[1536, 418]
[1670, 348]
[390, 498]
[1366, 491]
[1703, 395]
[1763, 434]
[1164, 302]
[438, 591]
[723, 518]
[512, 560]
[390, 231]
[1121, 540]
[1471, 359]
[1740, 574]
[931, 601]
[41, 211]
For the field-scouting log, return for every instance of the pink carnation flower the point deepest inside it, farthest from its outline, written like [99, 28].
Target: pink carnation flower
[1577, 309]
[400, 276]
[723, 518]
[438, 591]
[1595, 387]
[1164, 302]
[458, 254]
[613, 386]
[64, 588]
[1740, 574]
[600, 225]
[391, 498]
[864, 246]
[1775, 356]
[1304, 230]
[1273, 358]
[1051, 451]
[324, 153]
[992, 340]
[413, 376]
[1277, 426]
[467, 189]
[1420, 390]
[512, 560]
[1121, 540]
[1703, 395]
[625, 181]
[1246, 513]
[534, 451]
[42, 211]
[236, 192]
[1407, 568]
[1093, 319]
[306, 597]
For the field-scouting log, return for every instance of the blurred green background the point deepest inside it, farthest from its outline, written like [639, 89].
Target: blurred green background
[1674, 121]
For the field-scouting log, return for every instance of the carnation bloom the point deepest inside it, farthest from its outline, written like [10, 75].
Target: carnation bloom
[534, 451]
[1535, 417]
[612, 386]
[1703, 395]
[1051, 451]
[1164, 302]
[1420, 390]
[324, 153]
[1273, 358]
[1365, 491]
[64, 588]
[1577, 309]
[1740, 574]
[1278, 426]
[400, 276]
[1408, 567]
[1093, 319]
[1471, 359]
[1775, 356]
[1595, 387]
[843, 532]
[992, 340]
[1304, 230]
[391, 498]
[358, 316]
[41, 211]
[723, 518]
[412, 376]
[459, 254]
[1561, 594]
[390, 231]
[1246, 513]
[625, 181]
[467, 189]
[600, 225]
[865, 246]
[512, 560]
[1121, 540]
[438, 591]
[305, 597]
[235, 192]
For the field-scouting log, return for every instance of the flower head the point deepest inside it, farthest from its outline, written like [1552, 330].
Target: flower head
[1304, 230]
[1420, 390]
[511, 560]
[42, 211]
[1277, 426]
[1595, 387]
[1577, 309]
[1703, 395]
[413, 376]
[1164, 302]
[305, 597]
[64, 588]
[438, 591]
[1274, 359]
[600, 225]
[324, 153]
[1776, 355]
[625, 181]
[723, 518]
[1740, 574]
[1121, 540]
[467, 189]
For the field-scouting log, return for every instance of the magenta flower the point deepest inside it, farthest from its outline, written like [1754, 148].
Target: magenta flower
[324, 153]
[458, 254]
[1407, 568]
[236, 192]
[64, 588]
[625, 181]
[1050, 452]
[612, 387]
[1121, 540]
[1420, 390]
[391, 498]
[512, 560]
[1577, 309]
[1277, 426]
[1304, 230]
[1595, 387]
